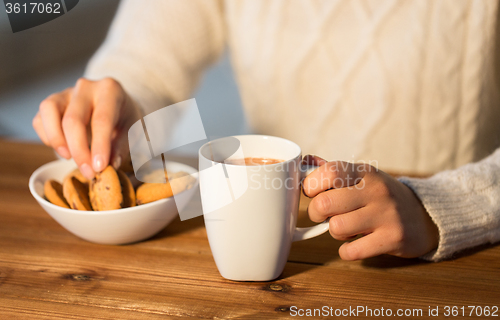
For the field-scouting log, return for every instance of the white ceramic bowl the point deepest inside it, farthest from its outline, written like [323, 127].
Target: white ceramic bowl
[114, 226]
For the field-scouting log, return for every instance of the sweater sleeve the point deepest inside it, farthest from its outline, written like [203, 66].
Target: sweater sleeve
[157, 50]
[464, 203]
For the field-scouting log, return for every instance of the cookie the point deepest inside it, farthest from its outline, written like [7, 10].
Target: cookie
[106, 191]
[178, 182]
[76, 194]
[78, 175]
[158, 176]
[128, 191]
[149, 192]
[53, 191]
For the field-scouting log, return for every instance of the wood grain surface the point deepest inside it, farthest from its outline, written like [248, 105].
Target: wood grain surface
[48, 273]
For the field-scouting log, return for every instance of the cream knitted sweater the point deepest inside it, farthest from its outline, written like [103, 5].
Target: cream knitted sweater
[412, 85]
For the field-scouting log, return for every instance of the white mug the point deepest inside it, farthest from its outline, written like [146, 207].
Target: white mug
[251, 212]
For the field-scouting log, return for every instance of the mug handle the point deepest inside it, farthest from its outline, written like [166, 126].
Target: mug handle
[314, 231]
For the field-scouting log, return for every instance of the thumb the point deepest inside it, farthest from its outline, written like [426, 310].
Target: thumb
[120, 152]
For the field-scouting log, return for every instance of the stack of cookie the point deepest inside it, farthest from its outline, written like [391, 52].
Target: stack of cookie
[110, 190]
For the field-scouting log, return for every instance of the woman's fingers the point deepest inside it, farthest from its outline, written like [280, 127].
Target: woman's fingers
[74, 124]
[120, 154]
[334, 202]
[40, 131]
[51, 111]
[334, 174]
[371, 245]
[313, 160]
[360, 221]
[99, 111]
[108, 101]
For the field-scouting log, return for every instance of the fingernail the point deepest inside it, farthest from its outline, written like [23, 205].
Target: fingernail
[63, 152]
[87, 171]
[98, 163]
[117, 162]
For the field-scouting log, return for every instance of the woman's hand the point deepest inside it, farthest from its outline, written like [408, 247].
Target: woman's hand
[92, 113]
[362, 200]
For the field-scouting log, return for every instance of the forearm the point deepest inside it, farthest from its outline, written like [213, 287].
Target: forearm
[464, 204]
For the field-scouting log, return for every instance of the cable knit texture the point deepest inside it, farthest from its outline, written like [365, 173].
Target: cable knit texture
[464, 204]
[411, 85]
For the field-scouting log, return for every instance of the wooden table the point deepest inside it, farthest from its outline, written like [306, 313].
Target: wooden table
[48, 273]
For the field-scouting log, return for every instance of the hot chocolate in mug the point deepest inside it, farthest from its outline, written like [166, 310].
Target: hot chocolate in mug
[250, 191]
